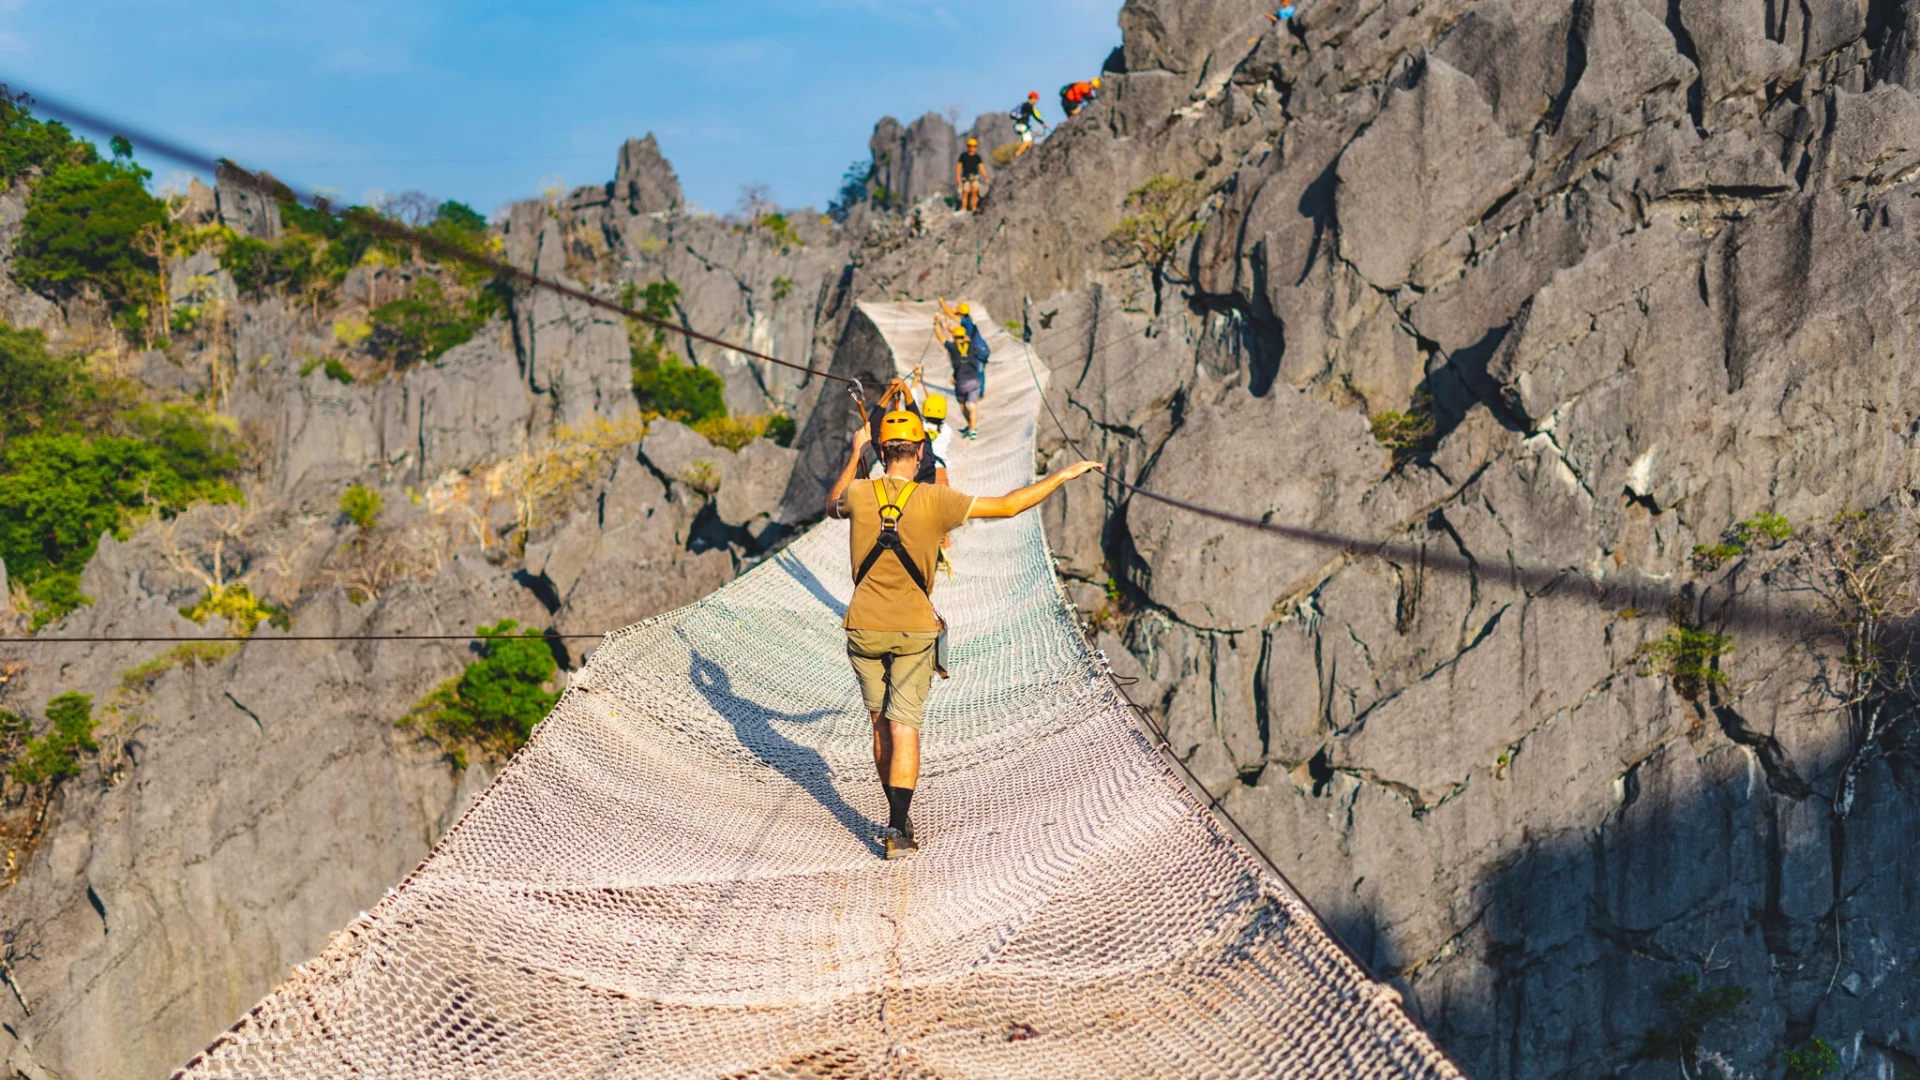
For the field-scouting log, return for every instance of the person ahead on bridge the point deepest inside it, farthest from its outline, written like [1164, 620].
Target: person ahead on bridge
[1024, 117]
[898, 395]
[969, 372]
[968, 173]
[893, 632]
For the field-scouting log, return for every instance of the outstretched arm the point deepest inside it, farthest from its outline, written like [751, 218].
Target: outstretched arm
[1019, 502]
[950, 313]
[861, 437]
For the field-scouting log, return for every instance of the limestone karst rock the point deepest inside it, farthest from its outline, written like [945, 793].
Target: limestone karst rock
[1644, 268]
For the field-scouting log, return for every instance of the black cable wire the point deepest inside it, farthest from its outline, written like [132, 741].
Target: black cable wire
[369, 221]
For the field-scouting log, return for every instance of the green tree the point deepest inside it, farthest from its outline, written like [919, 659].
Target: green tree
[83, 225]
[662, 382]
[495, 703]
[59, 493]
[1160, 217]
[424, 324]
[27, 143]
[55, 756]
[38, 392]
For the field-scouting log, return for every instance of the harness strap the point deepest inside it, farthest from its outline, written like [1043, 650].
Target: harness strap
[889, 538]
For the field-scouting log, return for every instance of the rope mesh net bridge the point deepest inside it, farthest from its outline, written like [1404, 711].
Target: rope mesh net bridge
[678, 876]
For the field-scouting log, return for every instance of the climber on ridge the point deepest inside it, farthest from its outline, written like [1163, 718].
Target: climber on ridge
[1024, 117]
[968, 173]
[893, 632]
[1077, 96]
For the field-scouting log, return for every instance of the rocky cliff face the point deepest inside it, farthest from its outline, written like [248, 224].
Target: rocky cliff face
[1635, 272]
[246, 803]
[1549, 296]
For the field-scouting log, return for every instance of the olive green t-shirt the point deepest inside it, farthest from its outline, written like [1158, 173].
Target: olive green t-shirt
[888, 599]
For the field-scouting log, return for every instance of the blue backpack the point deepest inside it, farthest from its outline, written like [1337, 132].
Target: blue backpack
[981, 353]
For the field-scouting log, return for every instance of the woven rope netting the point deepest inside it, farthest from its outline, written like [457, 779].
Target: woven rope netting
[678, 877]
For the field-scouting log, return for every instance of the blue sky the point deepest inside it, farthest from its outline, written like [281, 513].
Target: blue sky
[487, 101]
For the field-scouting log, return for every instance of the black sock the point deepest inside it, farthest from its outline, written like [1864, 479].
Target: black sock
[898, 799]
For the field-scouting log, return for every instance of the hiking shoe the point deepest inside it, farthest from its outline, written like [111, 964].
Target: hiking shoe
[899, 844]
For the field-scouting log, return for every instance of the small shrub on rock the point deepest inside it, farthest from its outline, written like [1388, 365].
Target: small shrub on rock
[56, 756]
[1687, 657]
[495, 703]
[362, 505]
[736, 433]
[1811, 1060]
[243, 611]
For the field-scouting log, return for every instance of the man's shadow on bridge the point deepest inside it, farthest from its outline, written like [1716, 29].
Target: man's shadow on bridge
[803, 765]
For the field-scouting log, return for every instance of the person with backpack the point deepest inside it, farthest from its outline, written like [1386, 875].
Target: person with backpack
[894, 635]
[1024, 117]
[969, 373]
[968, 174]
[1077, 96]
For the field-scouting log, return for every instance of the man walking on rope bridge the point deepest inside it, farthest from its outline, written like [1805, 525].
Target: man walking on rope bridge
[893, 632]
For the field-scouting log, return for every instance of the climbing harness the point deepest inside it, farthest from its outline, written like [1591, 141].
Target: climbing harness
[889, 539]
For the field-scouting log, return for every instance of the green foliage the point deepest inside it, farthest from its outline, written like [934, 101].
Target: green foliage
[782, 288]
[55, 756]
[187, 654]
[702, 477]
[1769, 528]
[1710, 557]
[424, 324]
[495, 703]
[362, 505]
[1690, 1011]
[853, 189]
[27, 143]
[662, 382]
[1686, 656]
[243, 611]
[59, 492]
[84, 224]
[780, 230]
[738, 432]
[1159, 218]
[337, 371]
[1402, 433]
[37, 391]
[1811, 1060]
[782, 429]
[680, 391]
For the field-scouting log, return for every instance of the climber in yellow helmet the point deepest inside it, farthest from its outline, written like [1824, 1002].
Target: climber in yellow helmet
[893, 632]
[968, 174]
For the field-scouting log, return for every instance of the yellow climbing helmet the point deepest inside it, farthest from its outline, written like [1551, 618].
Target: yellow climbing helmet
[964, 308]
[902, 426]
[960, 332]
[935, 410]
[1095, 83]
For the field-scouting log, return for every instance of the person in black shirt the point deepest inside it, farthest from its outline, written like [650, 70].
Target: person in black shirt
[968, 173]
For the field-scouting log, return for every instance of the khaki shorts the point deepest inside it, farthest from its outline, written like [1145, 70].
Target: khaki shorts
[895, 669]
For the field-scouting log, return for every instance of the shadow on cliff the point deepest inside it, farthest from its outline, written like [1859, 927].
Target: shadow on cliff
[1575, 948]
[753, 723]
